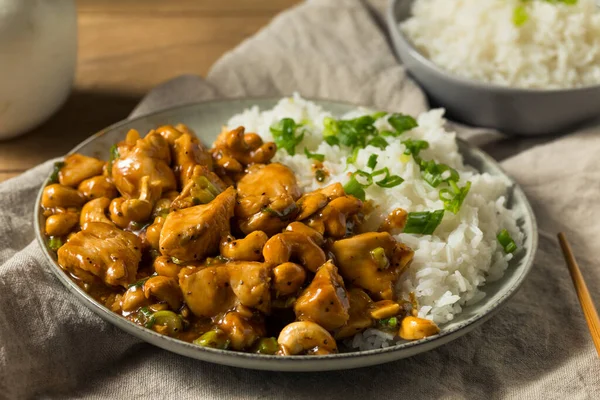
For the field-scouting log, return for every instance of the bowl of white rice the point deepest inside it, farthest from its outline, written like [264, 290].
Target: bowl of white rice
[524, 68]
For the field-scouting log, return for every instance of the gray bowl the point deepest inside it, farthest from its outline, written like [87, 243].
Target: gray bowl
[510, 110]
[206, 119]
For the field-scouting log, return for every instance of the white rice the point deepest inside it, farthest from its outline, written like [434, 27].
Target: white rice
[463, 254]
[558, 46]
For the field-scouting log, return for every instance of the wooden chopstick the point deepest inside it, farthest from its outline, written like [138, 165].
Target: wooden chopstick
[587, 305]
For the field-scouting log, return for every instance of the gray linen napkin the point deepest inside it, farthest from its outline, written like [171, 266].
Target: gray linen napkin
[535, 347]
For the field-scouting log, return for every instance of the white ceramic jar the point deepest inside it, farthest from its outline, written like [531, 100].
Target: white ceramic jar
[38, 51]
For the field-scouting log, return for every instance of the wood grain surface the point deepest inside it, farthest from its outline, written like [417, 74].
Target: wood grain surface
[126, 47]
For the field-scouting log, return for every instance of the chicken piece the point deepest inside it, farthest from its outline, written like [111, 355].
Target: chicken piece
[78, 168]
[360, 318]
[104, 251]
[149, 157]
[335, 219]
[188, 152]
[57, 195]
[207, 291]
[246, 249]
[414, 328]
[195, 232]
[325, 300]
[201, 188]
[164, 289]
[288, 278]
[372, 261]
[233, 150]
[98, 186]
[170, 133]
[251, 281]
[309, 204]
[267, 195]
[241, 331]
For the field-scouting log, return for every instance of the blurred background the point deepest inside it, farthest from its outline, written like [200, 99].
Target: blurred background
[125, 48]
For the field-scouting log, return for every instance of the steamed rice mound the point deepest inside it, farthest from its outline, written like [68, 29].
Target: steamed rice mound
[451, 266]
[554, 45]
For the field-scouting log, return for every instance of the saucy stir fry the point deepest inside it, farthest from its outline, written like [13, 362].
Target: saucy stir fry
[221, 248]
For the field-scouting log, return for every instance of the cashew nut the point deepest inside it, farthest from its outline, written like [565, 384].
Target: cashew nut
[134, 299]
[310, 203]
[283, 246]
[95, 211]
[98, 186]
[61, 224]
[233, 150]
[335, 215]
[116, 215]
[140, 209]
[57, 195]
[288, 278]
[164, 266]
[164, 289]
[300, 227]
[246, 249]
[306, 337]
[153, 232]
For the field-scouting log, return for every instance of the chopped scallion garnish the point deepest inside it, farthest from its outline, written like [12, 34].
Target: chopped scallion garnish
[54, 243]
[114, 154]
[434, 173]
[402, 123]
[57, 167]
[372, 161]
[506, 241]
[378, 142]
[314, 156]
[424, 222]
[414, 147]
[284, 135]
[454, 196]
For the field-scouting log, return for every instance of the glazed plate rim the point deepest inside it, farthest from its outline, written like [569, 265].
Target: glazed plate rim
[339, 361]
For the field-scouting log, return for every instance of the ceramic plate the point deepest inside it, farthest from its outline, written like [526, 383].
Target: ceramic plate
[206, 120]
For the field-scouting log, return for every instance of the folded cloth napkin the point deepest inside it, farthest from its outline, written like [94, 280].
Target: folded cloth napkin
[537, 346]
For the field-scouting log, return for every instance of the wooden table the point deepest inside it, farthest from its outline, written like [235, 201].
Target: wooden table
[126, 47]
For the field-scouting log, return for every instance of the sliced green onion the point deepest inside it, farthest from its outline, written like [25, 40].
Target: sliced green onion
[414, 147]
[169, 319]
[423, 222]
[389, 322]
[454, 196]
[114, 154]
[372, 161]
[351, 159]
[434, 173]
[284, 135]
[402, 123]
[378, 142]
[214, 339]
[389, 181]
[520, 15]
[57, 167]
[380, 258]
[267, 346]
[355, 188]
[314, 156]
[176, 261]
[378, 115]
[54, 243]
[506, 241]
[139, 283]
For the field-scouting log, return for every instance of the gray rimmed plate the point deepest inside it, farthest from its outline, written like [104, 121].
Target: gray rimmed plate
[206, 120]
